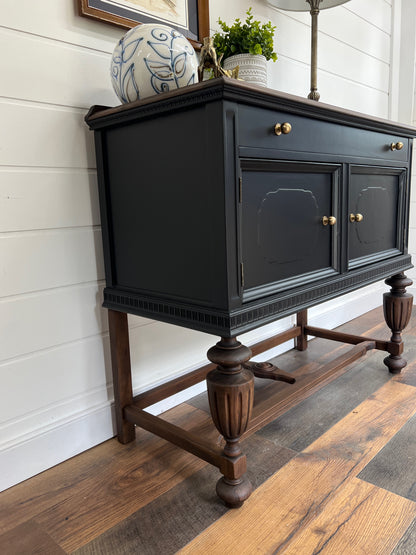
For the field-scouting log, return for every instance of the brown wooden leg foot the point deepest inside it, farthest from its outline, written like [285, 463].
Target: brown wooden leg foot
[397, 311]
[230, 394]
[301, 342]
[120, 362]
[234, 492]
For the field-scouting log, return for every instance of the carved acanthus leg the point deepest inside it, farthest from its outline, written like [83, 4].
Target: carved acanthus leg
[230, 394]
[397, 311]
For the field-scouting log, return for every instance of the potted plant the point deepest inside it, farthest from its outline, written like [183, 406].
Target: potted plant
[248, 45]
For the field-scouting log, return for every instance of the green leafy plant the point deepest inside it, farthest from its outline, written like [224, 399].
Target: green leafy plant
[249, 37]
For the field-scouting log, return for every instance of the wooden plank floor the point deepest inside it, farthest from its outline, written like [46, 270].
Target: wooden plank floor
[335, 473]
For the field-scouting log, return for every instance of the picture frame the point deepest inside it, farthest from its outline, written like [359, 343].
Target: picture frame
[190, 17]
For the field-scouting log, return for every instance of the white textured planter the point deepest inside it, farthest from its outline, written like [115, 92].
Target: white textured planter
[253, 67]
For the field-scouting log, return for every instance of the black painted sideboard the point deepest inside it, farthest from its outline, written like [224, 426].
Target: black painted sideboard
[226, 206]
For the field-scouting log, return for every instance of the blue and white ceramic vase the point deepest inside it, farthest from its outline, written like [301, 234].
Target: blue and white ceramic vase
[152, 59]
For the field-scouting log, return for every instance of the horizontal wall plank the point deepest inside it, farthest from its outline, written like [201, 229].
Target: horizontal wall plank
[73, 377]
[60, 21]
[376, 12]
[71, 69]
[69, 379]
[363, 48]
[294, 78]
[34, 261]
[347, 27]
[63, 198]
[39, 321]
[41, 135]
[357, 37]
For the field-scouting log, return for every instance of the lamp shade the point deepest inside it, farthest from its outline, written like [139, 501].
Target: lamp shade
[303, 5]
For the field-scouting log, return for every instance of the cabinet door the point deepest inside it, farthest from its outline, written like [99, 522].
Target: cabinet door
[284, 242]
[375, 214]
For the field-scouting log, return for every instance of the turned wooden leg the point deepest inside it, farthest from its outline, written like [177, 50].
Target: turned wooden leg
[120, 362]
[397, 311]
[230, 394]
[301, 342]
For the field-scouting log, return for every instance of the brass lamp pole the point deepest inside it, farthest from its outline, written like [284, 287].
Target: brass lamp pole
[314, 7]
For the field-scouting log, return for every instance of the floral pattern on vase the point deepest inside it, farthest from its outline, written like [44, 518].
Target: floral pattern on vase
[151, 59]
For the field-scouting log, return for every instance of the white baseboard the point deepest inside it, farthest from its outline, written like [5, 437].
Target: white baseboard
[47, 448]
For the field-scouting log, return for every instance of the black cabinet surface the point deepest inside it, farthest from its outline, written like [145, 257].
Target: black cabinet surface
[376, 194]
[283, 240]
[225, 206]
[216, 219]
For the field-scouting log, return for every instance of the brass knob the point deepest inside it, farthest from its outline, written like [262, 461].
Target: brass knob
[331, 220]
[356, 217]
[284, 128]
[396, 146]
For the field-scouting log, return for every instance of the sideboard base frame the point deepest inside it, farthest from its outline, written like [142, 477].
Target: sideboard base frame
[231, 387]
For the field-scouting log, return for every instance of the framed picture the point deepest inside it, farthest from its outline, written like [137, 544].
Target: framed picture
[190, 17]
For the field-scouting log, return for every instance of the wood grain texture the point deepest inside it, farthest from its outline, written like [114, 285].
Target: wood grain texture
[304, 387]
[184, 511]
[408, 374]
[121, 369]
[407, 544]
[28, 539]
[301, 425]
[138, 499]
[322, 469]
[391, 467]
[360, 519]
[397, 312]
[86, 489]
[151, 468]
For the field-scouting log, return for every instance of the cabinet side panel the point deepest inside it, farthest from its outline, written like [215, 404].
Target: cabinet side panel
[165, 220]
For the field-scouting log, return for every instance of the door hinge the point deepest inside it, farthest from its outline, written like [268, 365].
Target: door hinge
[242, 275]
[240, 190]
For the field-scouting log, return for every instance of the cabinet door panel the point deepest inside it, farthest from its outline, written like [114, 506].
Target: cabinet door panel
[375, 195]
[284, 241]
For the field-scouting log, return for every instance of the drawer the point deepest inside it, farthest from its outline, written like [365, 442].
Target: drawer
[256, 129]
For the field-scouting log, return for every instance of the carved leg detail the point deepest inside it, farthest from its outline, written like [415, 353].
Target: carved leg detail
[269, 371]
[397, 311]
[230, 394]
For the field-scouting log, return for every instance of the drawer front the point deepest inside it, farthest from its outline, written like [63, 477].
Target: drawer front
[284, 242]
[256, 129]
[376, 211]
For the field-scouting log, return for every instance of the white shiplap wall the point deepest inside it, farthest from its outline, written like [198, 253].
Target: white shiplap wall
[54, 356]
